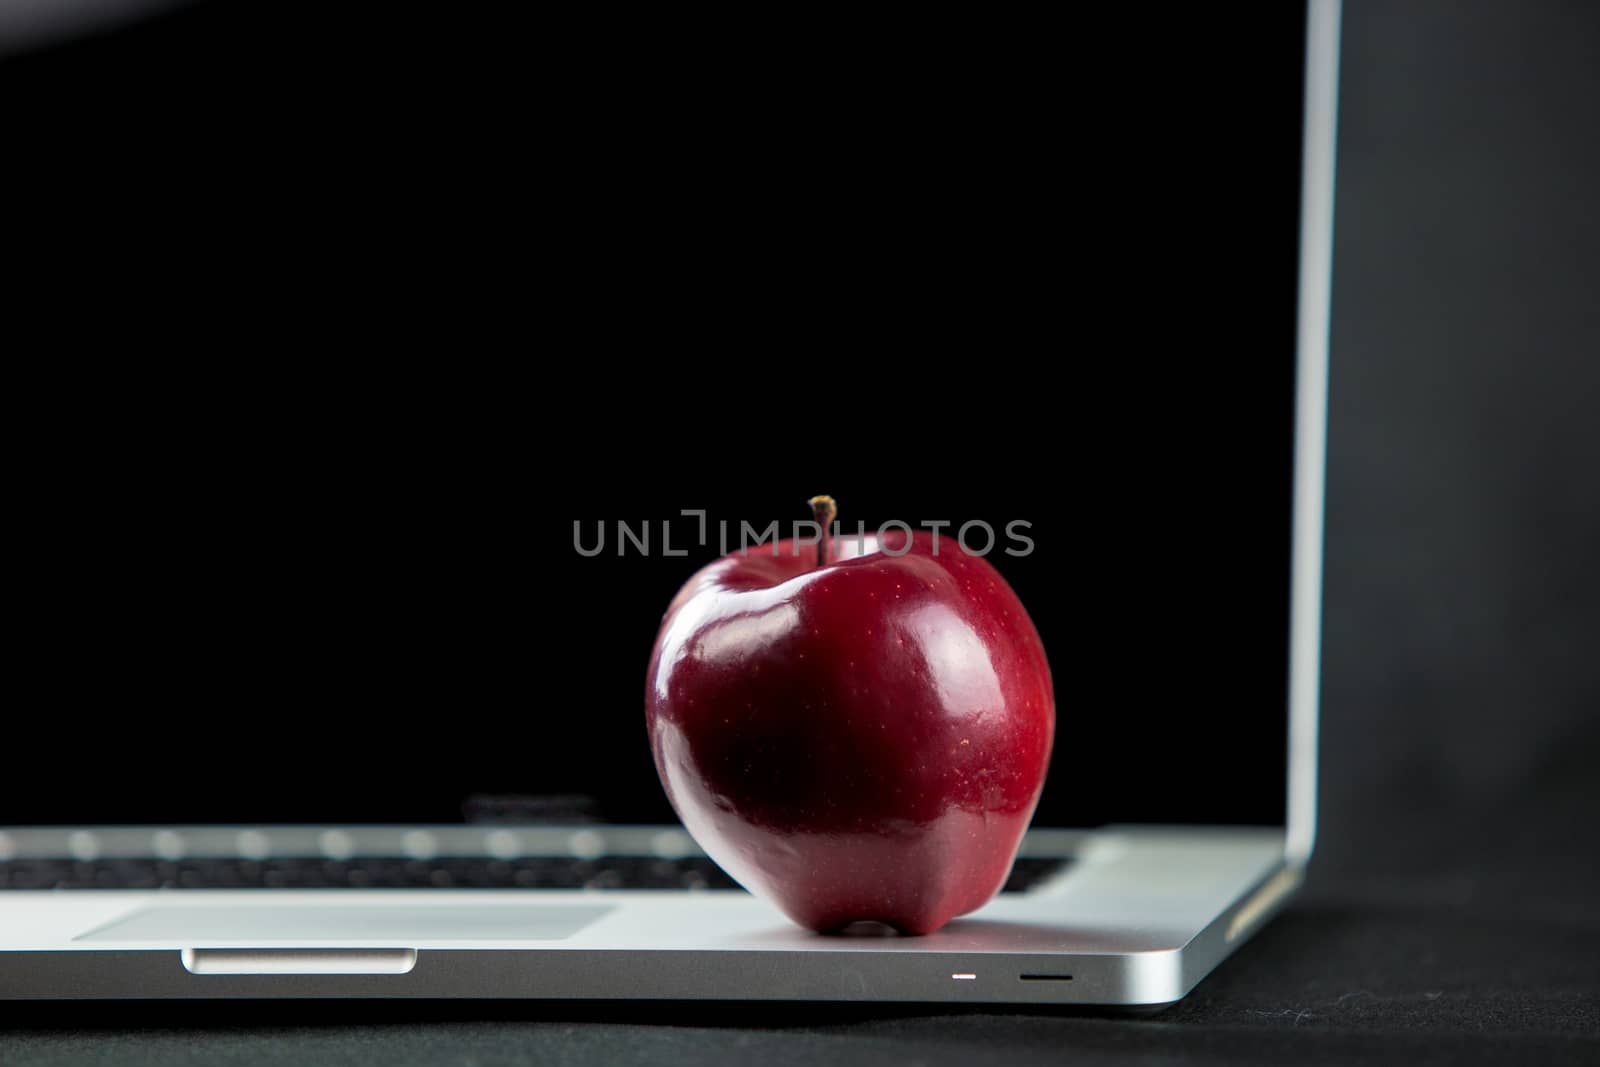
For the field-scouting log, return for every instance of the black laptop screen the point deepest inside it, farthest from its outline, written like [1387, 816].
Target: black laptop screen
[332, 573]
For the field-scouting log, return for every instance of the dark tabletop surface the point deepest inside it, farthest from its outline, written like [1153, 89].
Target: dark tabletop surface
[1452, 911]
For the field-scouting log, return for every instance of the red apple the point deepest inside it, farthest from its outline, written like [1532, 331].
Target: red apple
[856, 730]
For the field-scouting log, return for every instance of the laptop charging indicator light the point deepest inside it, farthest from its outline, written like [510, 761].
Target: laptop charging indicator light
[964, 977]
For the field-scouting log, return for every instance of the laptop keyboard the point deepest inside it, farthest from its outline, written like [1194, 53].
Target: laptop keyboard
[471, 872]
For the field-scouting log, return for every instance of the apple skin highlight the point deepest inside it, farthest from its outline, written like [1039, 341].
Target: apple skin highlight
[858, 740]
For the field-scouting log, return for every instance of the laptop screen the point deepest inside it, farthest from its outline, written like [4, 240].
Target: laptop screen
[400, 554]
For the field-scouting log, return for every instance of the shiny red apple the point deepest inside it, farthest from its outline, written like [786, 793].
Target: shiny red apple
[857, 729]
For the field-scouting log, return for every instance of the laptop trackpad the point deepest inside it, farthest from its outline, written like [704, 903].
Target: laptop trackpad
[399, 923]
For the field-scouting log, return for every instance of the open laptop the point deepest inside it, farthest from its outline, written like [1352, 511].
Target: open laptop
[326, 691]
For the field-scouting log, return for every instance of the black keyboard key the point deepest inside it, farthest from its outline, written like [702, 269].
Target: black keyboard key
[1030, 871]
[385, 872]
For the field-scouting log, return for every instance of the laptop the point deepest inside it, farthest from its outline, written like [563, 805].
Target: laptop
[333, 667]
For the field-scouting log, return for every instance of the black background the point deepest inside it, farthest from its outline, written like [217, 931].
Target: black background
[335, 558]
[1450, 913]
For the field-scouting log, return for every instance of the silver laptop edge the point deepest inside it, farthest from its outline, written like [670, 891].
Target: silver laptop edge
[1311, 419]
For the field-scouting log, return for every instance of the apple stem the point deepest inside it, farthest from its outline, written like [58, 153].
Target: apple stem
[823, 510]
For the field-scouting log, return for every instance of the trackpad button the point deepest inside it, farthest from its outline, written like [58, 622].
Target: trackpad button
[403, 924]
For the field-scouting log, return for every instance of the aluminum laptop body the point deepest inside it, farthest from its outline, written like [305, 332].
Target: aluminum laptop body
[235, 825]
